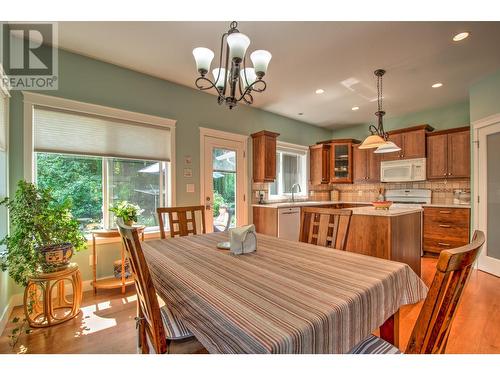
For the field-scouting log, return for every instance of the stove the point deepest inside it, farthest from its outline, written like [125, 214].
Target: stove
[408, 197]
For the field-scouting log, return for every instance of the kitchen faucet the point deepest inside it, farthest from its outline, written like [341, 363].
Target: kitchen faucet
[291, 191]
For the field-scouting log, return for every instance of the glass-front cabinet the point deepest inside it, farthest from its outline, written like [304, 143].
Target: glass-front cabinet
[341, 160]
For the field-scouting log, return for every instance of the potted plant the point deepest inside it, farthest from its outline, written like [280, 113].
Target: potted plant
[44, 234]
[126, 211]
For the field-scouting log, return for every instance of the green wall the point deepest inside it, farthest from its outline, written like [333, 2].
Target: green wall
[485, 97]
[450, 116]
[88, 80]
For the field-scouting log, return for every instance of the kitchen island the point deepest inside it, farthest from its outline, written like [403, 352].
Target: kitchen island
[394, 234]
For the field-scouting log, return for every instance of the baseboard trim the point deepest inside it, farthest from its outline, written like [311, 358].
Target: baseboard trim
[17, 300]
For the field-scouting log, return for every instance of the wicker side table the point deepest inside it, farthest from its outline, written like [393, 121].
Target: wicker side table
[111, 282]
[48, 310]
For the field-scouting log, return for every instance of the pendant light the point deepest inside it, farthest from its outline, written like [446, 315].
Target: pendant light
[379, 138]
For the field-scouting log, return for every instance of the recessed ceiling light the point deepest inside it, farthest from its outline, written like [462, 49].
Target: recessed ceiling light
[460, 36]
[355, 108]
[436, 85]
[320, 91]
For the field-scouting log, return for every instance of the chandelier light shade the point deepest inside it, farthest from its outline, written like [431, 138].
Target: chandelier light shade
[203, 58]
[379, 138]
[231, 78]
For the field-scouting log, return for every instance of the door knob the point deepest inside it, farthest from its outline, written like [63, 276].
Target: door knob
[208, 204]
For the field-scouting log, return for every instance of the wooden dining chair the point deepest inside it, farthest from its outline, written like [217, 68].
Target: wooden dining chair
[431, 331]
[325, 226]
[157, 327]
[182, 220]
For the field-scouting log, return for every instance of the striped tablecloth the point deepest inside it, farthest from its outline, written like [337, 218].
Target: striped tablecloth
[288, 297]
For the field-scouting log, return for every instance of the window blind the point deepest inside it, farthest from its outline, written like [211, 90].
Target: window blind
[69, 132]
[3, 122]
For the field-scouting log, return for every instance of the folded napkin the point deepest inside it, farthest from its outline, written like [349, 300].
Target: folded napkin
[243, 239]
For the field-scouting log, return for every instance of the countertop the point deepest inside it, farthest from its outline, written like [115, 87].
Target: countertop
[318, 203]
[392, 211]
[304, 204]
[447, 205]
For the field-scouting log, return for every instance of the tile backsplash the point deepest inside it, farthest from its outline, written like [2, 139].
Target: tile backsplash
[442, 190]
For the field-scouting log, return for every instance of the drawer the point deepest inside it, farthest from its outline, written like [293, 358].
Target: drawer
[445, 230]
[456, 216]
[436, 245]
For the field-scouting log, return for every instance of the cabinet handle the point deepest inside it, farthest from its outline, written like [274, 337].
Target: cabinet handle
[445, 226]
[449, 174]
[445, 174]
[444, 244]
[445, 212]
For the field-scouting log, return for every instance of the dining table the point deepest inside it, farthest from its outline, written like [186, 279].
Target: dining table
[285, 297]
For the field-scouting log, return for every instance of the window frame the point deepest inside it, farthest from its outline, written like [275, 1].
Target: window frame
[292, 149]
[34, 99]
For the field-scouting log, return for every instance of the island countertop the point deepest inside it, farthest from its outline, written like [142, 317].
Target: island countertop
[392, 211]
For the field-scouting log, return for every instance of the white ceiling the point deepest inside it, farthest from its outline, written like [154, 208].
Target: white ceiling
[311, 55]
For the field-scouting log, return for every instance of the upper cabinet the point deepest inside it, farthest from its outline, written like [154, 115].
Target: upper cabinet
[366, 165]
[448, 154]
[412, 143]
[319, 164]
[264, 156]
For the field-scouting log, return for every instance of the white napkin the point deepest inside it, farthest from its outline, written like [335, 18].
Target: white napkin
[243, 239]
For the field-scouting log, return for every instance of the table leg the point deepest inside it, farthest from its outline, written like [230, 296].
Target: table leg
[123, 269]
[389, 331]
[94, 264]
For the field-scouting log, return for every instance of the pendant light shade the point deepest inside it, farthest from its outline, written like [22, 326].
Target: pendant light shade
[248, 76]
[221, 77]
[260, 60]
[387, 147]
[372, 141]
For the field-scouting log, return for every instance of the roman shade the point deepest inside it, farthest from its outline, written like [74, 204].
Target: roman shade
[3, 122]
[70, 132]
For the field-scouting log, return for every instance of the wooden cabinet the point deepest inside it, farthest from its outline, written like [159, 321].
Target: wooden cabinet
[448, 154]
[319, 164]
[366, 165]
[340, 160]
[445, 228]
[264, 156]
[412, 143]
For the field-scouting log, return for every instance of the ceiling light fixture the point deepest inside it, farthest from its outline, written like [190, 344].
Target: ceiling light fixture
[379, 138]
[355, 108]
[436, 85]
[234, 78]
[320, 91]
[461, 36]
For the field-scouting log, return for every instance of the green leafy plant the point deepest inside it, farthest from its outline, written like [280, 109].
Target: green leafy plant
[127, 211]
[37, 221]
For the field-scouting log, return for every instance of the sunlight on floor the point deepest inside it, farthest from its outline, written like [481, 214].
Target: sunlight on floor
[91, 322]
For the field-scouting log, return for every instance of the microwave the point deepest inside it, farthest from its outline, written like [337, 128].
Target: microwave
[403, 170]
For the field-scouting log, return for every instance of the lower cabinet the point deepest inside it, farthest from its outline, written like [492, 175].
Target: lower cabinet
[445, 228]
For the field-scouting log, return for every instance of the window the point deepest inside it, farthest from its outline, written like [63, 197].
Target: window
[94, 161]
[82, 180]
[291, 168]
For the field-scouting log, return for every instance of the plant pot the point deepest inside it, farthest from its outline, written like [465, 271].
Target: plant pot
[128, 222]
[56, 257]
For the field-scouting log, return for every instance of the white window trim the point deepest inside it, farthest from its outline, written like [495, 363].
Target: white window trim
[301, 149]
[33, 99]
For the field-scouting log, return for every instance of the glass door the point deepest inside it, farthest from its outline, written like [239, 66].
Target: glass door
[489, 197]
[340, 162]
[224, 183]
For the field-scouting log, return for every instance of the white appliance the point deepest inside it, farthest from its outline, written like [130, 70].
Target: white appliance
[289, 223]
[411, 198]
[403, 170]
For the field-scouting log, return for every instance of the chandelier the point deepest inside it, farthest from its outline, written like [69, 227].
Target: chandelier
[379, 138]
[233, 81]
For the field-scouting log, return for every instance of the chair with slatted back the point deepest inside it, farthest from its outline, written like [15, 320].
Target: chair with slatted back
[158, 328]
[325, 226]
[184, 222]
[431, 331]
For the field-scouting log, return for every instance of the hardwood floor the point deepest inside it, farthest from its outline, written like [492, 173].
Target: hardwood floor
[106, 323]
